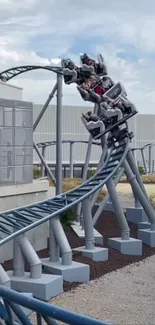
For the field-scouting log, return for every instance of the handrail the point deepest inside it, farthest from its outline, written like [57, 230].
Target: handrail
[40, 307]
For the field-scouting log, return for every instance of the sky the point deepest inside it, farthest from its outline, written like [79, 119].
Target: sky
[39, 31]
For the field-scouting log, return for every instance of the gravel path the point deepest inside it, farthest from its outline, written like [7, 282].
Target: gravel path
[127, 199]
[124, 297]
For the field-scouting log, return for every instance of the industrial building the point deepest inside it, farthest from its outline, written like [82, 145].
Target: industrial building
[143, 127]
[16, 137]
[9, 91]
[73, 129]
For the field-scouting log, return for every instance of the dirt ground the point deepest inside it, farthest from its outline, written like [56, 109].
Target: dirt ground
[107, 226]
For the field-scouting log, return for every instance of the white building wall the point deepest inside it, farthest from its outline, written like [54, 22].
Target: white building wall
[143, 127]
[8, 91]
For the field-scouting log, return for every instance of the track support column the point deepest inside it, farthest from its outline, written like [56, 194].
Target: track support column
[42, 286]
[95, 253]
[71, 158]
[124, 244]
[146, 235]
[124, 228]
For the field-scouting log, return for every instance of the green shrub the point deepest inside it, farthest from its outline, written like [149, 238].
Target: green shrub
[141, 170]
[152, 200]
[91, 172]
[36, 172]
[67, 218]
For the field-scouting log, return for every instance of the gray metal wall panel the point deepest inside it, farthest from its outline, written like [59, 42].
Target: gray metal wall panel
[143, 127]
[16, 142]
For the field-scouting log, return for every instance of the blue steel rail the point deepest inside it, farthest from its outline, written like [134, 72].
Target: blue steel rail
[16, 222]
[12, 302]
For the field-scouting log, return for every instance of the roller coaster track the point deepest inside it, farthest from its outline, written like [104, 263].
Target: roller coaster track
[8, 74]
[50, 143]
[16, 222]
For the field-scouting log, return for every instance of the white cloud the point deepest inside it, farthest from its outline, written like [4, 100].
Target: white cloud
[34, 33]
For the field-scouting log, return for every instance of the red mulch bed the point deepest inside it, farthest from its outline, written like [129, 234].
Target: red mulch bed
[108, 227]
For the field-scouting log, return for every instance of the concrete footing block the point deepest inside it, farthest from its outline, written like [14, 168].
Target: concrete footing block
[147, 236]
[76, 272]
[136, 215]
[44, 288]
[81, 233]
[131, 246]
[144, 225]
[97, 254]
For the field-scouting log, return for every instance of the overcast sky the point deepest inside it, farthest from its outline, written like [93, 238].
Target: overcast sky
[36, 31]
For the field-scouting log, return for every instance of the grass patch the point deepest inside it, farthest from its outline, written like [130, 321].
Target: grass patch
[152, 200]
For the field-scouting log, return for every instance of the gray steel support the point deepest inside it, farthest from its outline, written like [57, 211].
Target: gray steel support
[53, 246]
[51, 95]
[44, 163]
[85, 169]
[140, 194]
[18, 258]
[101, 162]
[106, 199]
[59, 136]
[125, 231]
[132, 164]
[134, 154]
[4, 278]
[31, 257]
[49, 321]
[153, 166]
[42, 166]
[143, 159]
[88, 225]
[71, 159]
[150, 158]
[59, 239]
[137, 203]
[84, 176]
[62, 241]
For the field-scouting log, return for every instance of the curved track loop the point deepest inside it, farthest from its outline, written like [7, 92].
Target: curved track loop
[16, 222]
[13, 72]
[50, 143]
